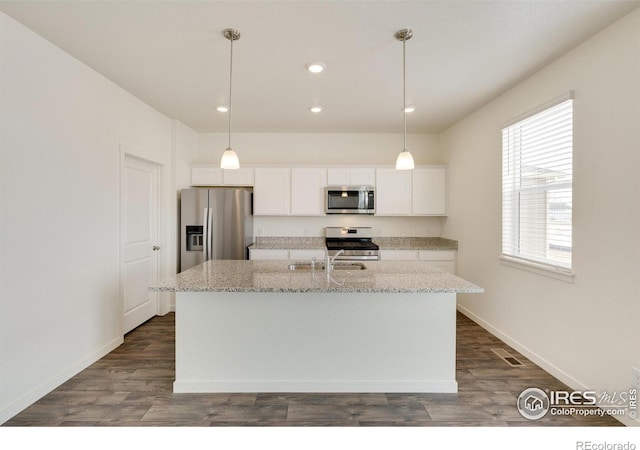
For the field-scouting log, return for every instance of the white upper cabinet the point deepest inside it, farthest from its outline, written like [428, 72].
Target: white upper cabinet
[272, 192]
[338, 177]
[429, 191]
[299, 191]
[345, 176]
[238, 177]
[307, 191]
[210, 175]
[393, 192]
[206, 176]
[363, 177]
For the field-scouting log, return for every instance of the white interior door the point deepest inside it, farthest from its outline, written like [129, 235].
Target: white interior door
[139, 265]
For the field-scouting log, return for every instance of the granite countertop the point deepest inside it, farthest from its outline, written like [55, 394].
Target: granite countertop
[274, 276]
[385, 243]
[289, 243]
[415, 243]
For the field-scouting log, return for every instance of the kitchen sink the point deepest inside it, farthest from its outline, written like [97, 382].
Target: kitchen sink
[306, 266]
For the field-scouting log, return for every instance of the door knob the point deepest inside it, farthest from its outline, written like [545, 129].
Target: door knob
[156, 247]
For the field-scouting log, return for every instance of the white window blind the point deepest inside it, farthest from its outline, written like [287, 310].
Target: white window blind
[537, 197]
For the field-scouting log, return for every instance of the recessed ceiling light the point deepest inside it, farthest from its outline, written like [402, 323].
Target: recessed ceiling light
[222, 108]
[315, 109]
[409, 109]
[315, 67]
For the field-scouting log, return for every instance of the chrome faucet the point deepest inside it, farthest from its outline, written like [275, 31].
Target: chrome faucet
[330, 260]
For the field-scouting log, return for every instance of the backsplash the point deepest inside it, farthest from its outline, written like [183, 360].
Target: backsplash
[314, 226]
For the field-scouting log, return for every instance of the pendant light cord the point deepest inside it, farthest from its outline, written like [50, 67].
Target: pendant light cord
[404, 92]
[230, 80]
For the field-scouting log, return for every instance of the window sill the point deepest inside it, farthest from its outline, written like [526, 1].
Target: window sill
[565, 275]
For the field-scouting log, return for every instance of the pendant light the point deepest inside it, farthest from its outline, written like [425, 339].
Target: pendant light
[229, 158]
[405, 160]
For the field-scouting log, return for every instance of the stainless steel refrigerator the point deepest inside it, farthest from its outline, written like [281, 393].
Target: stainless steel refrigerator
[215, 223]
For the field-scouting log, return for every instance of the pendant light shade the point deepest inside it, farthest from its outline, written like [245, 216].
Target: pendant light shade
[404, 160]
[229, 158]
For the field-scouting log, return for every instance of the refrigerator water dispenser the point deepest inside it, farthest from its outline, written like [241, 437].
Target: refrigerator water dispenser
[195, 238]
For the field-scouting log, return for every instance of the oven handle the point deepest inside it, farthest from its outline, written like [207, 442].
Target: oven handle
[358, 258]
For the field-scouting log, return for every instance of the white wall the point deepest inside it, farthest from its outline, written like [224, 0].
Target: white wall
[185, 150]
[327, 149]
[588, 332]
[318, 148]
[61, 128]
[186, 146]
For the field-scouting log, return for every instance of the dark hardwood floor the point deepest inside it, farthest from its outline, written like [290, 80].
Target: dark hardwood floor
[132, 386]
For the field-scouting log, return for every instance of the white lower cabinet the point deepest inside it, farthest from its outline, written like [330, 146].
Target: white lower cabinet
[268, 254]
[443, 259]
[284, 254]
[307, 255]
[398, 255]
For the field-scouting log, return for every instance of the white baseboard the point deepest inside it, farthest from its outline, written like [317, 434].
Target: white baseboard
[315, 386]
[537, 359]
[52, 383]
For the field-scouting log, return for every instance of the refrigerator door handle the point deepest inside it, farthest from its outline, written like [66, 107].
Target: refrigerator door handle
[210, 234]
[205, 231]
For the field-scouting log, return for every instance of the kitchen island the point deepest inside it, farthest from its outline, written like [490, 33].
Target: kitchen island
[257, 326]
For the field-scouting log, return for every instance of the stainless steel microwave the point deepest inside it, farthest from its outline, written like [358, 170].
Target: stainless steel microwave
[349, 200]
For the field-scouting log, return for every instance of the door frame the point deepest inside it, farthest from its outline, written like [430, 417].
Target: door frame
[136, 153]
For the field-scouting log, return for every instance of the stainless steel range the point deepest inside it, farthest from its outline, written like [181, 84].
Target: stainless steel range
[355, 241]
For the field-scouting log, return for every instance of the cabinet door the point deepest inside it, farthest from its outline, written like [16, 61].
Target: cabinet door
[307, 255]
[398, 255]
[437, 255]
[443, 259]
[238, 177]
[351, 177]
[338, 177]
[272, 192]
[430, 191]
[363, 177]
[393, 192]
[206, 176]
[307, 191]
[447, 266]
[268, 254]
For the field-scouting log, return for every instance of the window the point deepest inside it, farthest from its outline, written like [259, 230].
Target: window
[537, 174]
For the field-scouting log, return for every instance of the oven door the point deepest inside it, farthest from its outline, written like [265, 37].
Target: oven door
[346, 200]
[356, 255]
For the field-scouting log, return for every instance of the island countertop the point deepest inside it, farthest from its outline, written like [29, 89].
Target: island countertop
[385, 243]
[274, 276]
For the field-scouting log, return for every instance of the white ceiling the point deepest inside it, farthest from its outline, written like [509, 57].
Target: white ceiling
[172, 55]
